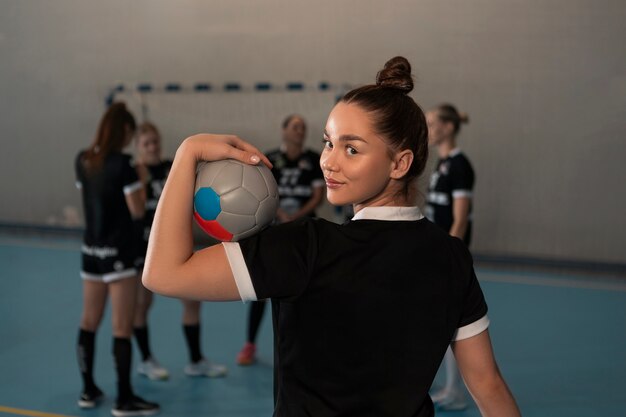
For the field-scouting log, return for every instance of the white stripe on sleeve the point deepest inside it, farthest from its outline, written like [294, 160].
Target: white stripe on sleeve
[471, 329]
[131, 188]
[462, 193]
[438, 198]
[240, 271]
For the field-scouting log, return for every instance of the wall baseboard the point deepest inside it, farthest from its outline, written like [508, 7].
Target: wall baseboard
[481, 259]
[551, 264]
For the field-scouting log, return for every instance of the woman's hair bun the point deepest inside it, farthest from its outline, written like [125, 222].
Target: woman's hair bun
[463, 117]
[396, 74]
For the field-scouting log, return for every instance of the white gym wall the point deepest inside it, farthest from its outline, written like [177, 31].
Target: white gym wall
[544, 84]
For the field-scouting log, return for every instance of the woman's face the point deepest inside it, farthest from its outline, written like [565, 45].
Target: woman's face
[438, 131]
[355, 160]
[295, 131]
[149, 148]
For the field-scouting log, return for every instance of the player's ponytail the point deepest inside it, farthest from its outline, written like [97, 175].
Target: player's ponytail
[110, 136]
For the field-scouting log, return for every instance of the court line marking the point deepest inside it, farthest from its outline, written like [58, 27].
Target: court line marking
[587, 284]
[32, 413]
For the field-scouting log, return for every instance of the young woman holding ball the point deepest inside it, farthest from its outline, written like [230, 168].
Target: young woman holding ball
[363, 312]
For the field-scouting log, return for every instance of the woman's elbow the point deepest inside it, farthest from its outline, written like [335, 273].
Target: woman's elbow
[148, 280]
[153, 281]
[487, 386]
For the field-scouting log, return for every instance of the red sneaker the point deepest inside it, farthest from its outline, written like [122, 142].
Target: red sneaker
[246, 356]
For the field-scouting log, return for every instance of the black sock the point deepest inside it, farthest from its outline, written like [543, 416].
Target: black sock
[257, 309]
[192, 335]
[85, 350]
[122, 353]
[141, 336]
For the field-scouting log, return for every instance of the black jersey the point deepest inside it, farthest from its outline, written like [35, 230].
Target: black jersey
[108, 222]
[296, 178]
[158, 175]
[363, 312]
[452, 178]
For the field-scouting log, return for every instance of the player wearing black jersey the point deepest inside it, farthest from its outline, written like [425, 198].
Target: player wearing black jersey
[113, 204]
[300, 188]
[297, 173]
[363, 312]
[148, 149]
[452, 183]
[449, 206]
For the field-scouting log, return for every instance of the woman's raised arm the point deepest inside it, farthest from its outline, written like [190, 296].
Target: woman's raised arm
[171, 267]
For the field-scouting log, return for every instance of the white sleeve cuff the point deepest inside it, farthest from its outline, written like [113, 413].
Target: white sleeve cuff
[462, 193]
[131, 188]
[240, 271]
[471, 329]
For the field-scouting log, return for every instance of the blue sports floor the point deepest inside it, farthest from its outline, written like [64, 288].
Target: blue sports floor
[560, 342]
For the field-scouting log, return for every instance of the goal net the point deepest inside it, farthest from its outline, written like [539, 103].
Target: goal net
[252, 113]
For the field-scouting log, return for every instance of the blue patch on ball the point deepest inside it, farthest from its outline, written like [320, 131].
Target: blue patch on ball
[234, 200]
[207, 203]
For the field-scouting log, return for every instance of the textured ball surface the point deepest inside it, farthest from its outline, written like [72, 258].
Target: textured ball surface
[233, 200]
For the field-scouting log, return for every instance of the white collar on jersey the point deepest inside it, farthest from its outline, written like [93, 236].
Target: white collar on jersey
[389, 213]
[454, 152]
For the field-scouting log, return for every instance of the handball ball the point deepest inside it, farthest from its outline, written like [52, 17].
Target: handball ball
[234, 200]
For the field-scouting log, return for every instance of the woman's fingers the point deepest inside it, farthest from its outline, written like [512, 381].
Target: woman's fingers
[251, 154]
[244, 156]
[209, 147]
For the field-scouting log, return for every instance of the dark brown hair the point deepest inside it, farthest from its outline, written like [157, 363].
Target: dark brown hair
[397, 117]
[110, 136]
[447, 113]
